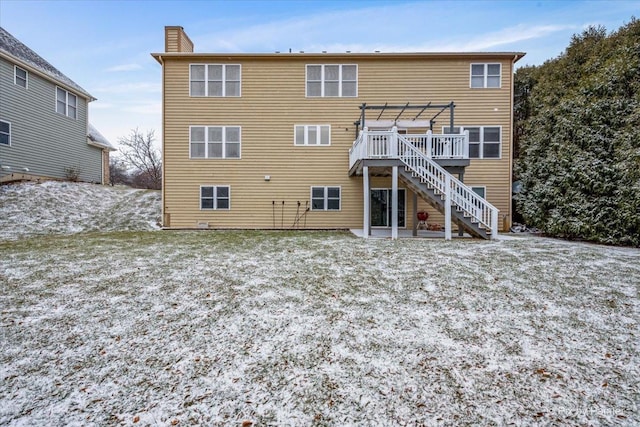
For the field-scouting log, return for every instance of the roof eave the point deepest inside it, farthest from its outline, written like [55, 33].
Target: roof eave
[86, 95]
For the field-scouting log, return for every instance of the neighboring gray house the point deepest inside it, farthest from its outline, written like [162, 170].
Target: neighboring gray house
[44, 127]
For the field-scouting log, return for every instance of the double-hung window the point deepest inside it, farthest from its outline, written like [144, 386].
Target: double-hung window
[485, 75]
[20, 77]
[312, 135]
[214, 80]
[66, 103]
[332, 80]
[485, 142]
[325, 198]
[5, 132]
[215, 197]
[214, 142]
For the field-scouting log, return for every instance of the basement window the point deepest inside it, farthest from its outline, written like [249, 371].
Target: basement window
[215, 197]
[325, 198]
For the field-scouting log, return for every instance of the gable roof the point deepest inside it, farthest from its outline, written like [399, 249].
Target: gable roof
[19, 52]
[98, 140]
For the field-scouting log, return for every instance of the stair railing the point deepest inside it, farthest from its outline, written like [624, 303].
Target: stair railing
[459, 195]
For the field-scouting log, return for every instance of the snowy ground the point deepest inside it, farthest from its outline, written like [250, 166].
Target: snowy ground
[294, 328]
[30, 209]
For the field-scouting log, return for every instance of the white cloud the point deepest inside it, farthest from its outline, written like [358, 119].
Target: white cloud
[124, 67]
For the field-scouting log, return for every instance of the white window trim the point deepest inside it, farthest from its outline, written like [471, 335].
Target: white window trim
[481, 144]
[306, 136]
[325, 198]
[15, 77]
[224, 81]
[322, 81]
[66, 103]
[485, 75]
[224, 141]
[215, 197]
[9, 144]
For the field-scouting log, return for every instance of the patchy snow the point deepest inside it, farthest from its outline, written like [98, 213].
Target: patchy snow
[310, 328]
[51, 207]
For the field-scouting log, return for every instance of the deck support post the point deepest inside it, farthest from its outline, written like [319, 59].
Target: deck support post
[415, 215]
[366, 228]
[460, 228]
[447, 207]
[394, 203]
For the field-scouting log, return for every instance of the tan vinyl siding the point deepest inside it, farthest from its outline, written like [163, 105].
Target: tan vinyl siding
[273, 101]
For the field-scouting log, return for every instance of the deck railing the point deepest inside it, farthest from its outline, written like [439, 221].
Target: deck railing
[384, 145]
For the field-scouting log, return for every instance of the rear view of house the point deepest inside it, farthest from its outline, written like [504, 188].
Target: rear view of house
[336, 140]
[44, 128]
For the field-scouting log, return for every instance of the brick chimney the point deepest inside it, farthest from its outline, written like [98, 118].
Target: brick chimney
[176, 40]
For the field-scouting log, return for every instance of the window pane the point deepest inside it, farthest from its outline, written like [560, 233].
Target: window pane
[491, 150]
[222, 192]
[493, 69]
[478, 190]
[349, 72]
[333, 192]
[492, 134]
[474, 134]
[71, 112]
[312, 135]
[317, 192]
[331, 89]
[299, 135]
[61, 94]
[477, 70]
[349, 88]
[223, 203]
[477, 81]
[317, 204]
[314, 72]
[206, 203]
[333, 204]
[493, 81]
[4, 127]
[232, 89]
[72, 100]
[61, 107]
[456, 130]
[206, 191]
[215, 89]
[215, 73]
[21, 73]
[197, 149]
[215, 134]
[4, 138]
[324, 135]
[233, 134]
[233, 150]
[314, 89]
[197, 134]
[233, 72]
[197, 72]
[197, 88]
[215, 150]
[474, 151]
[331, 72]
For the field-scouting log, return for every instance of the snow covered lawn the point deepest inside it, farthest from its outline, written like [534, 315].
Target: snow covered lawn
[284, 328]
[30, 209]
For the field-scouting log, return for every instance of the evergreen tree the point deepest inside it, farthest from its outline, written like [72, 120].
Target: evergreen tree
[578, 131]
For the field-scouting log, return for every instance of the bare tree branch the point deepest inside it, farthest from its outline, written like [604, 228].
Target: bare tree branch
[140, 153]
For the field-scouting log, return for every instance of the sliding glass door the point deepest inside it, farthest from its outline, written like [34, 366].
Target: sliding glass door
[381, 207]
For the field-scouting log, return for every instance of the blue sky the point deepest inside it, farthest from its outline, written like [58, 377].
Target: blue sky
[105, 46]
